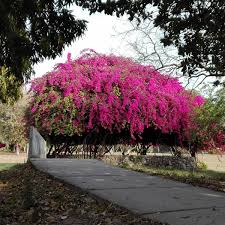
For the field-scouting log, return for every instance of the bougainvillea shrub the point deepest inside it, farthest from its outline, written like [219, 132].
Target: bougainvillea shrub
[96, 92]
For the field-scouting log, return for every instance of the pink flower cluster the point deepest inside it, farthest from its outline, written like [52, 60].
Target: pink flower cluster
[199, 100]
[99, 91]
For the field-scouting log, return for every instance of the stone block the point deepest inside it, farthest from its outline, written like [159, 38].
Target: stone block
[37, 144]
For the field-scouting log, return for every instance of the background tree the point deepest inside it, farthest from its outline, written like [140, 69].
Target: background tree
[195, 27]
[144, 42]
[209, 130]
[144, 45]
[12, 126]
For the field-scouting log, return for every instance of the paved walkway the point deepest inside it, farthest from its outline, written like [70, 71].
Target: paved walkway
[149, 196]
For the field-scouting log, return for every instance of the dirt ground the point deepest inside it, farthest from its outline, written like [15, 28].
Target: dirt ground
[213, 161]
[12, 157]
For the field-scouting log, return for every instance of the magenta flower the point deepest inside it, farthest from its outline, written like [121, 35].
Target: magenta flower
[110, 92]
[199, 100]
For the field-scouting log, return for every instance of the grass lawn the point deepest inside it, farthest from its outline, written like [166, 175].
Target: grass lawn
[204, 178]
[6, 166]
[28, 196]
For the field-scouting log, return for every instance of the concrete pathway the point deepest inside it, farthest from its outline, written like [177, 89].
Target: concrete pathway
[150, 196]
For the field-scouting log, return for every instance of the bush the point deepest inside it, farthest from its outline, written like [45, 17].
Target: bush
[111, 95]
[202, 165]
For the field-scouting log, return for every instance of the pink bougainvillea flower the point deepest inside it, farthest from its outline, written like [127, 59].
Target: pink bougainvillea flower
[199, 100]
[115, 93]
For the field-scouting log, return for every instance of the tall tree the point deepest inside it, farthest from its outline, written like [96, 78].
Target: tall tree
[31, 30]
[195, 27]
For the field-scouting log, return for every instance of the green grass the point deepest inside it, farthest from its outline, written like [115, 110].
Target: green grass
[206, 178]
[6, 166]
[209, 174]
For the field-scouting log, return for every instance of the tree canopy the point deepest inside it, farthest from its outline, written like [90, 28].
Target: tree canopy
[31, 31]
[195, 27]
[111, 95]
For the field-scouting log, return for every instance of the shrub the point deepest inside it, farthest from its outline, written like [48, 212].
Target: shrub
[100, 93]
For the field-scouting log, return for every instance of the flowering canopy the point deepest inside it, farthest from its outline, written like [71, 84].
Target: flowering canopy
[96, 92]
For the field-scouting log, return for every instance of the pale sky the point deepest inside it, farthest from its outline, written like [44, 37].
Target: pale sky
[99, 36]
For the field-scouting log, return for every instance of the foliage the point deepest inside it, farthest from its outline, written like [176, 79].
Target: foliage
[202, 165]
[209, 132]
[31, 31]
[201, 44]
[10, 88]
[99, 93]
[12, 127]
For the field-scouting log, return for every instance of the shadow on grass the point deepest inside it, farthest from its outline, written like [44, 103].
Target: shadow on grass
[8, 166]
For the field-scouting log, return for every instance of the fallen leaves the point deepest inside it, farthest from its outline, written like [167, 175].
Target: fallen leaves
[29, 197]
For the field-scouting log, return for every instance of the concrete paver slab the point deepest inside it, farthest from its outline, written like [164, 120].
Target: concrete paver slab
[115, 182]
[155, 200]
[210, 216]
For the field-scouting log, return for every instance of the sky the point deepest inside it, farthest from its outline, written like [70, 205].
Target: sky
[99, 36]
